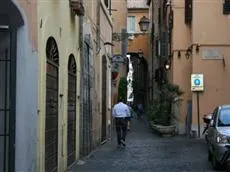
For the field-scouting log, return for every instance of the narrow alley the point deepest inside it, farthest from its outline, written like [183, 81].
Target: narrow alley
[147, 152]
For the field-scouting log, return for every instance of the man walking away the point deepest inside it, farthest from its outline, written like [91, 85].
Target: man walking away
[120, 113]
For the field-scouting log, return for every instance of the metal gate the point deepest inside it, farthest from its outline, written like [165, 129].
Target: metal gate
[71, 110]
[104, 100]
[51, 124]
[7, 99]
[87, 79]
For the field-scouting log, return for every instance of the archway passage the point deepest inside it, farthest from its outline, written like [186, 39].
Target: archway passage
[51, 120]
[71, 138]
[10, 20]
[140, 78]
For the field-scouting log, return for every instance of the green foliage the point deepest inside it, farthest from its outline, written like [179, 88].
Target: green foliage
[122, 89]
[159, 111]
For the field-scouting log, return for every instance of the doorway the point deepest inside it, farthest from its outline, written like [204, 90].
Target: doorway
[51, 119]
[71, 135]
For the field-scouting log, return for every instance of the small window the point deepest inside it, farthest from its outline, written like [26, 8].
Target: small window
[188, 11]
[226, 7]
[131, 24]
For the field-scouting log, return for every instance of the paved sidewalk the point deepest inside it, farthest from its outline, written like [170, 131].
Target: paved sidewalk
[146, 152]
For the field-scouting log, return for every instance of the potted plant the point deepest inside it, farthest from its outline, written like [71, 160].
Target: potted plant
[160, 112]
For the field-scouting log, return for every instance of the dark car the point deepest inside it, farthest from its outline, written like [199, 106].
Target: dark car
[218, 135]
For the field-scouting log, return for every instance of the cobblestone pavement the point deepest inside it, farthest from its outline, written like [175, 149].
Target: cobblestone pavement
[147, 152]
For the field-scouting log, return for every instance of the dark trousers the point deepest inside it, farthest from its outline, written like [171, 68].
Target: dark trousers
[121, 129]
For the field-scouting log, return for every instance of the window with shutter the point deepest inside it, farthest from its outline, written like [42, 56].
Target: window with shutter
[226, 7]
[159, 16]
[131, 24]
[188, 11]
[164, 45]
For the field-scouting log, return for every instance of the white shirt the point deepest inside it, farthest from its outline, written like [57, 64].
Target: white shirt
[121, 110]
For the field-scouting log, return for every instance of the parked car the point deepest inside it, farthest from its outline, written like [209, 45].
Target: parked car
[218, 136]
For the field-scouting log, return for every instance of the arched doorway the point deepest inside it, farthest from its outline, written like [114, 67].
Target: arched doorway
[71, 137]
[10, 20]
[51, 119]
[104, 99]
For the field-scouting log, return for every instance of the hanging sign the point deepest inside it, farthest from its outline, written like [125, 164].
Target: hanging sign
[197, 82]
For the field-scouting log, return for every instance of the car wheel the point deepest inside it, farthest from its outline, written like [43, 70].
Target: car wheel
[227, 167]
[209, 156]
[215, 164]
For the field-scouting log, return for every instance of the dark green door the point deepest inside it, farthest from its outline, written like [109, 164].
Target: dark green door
[51, 124]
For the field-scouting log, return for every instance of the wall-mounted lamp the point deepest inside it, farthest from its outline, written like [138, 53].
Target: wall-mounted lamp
[189, 51]
[108, 51]
[179, 54]
[144, 24]
[167, 65]
[197, 48]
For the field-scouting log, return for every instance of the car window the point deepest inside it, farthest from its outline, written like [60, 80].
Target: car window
[214, 116]
[224, 117]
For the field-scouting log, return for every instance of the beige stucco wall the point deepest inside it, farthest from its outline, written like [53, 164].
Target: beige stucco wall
[55, 19]
[119, 19]
[106, 28]
[181, 67]
[211, 30]
[90, 27]
[93, 15]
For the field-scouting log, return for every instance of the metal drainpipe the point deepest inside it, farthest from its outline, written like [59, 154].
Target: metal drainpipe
[152, 43]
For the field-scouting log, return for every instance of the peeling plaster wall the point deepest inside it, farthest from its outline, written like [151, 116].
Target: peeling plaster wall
[26, 91]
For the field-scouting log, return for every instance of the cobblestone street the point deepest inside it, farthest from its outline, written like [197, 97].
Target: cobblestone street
[147, 152]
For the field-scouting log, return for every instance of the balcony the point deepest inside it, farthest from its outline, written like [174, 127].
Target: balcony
[77, 7]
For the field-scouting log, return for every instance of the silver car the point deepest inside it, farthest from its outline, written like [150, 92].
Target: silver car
[218, 136]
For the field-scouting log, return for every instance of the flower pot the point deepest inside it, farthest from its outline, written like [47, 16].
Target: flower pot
[164, 130]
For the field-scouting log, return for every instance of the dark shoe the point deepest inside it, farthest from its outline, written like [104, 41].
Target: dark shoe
[123, 143]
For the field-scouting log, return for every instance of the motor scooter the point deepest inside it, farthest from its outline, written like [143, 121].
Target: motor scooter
[207, 120]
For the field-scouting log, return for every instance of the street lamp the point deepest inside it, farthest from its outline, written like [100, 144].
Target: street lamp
[144, 24]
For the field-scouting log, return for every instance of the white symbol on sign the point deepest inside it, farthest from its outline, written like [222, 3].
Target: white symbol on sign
[197, 82]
